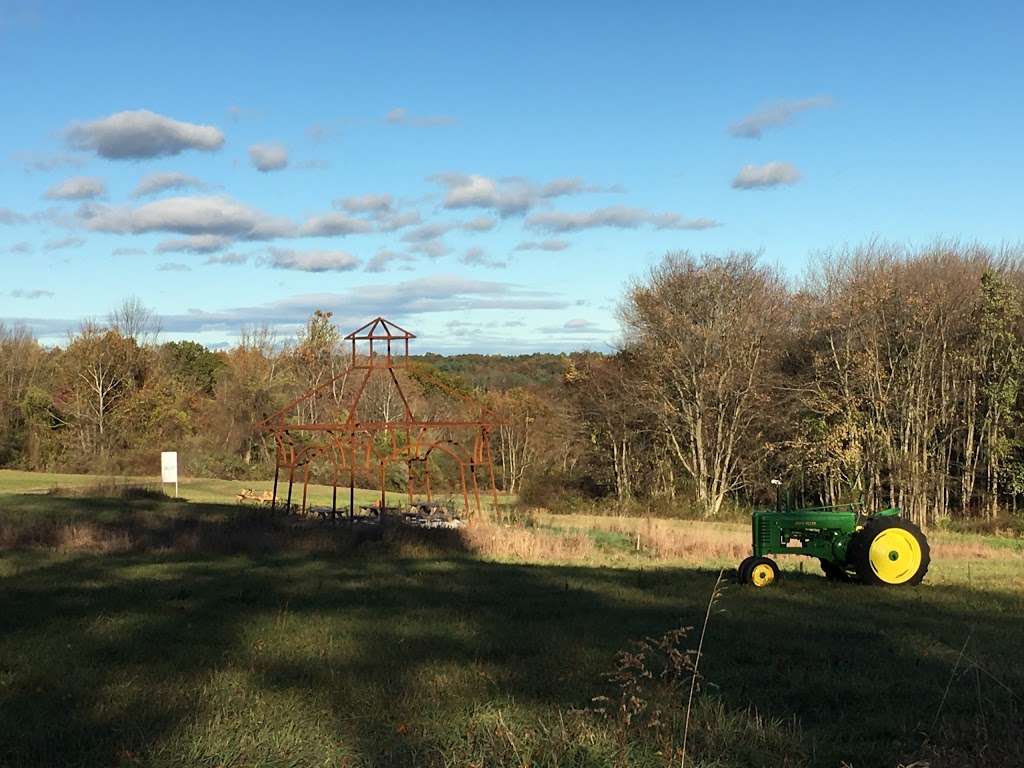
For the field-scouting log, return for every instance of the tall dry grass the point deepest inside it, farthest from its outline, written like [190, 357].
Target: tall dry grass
[146, 520]
[528, 544]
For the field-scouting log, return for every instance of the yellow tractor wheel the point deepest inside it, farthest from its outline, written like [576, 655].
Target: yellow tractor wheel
[890, 551]
[762, 572]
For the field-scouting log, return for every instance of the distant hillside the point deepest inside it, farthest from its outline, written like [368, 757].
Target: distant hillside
[502, 372]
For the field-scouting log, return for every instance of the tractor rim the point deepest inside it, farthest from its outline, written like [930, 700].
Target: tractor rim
[895, 555]
[761, 575]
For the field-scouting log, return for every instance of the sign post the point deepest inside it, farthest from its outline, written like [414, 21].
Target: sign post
[169, 469]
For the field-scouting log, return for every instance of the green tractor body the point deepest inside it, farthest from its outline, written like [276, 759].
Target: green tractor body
[880, 548]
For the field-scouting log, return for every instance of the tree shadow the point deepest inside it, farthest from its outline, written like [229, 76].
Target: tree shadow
[136, 656]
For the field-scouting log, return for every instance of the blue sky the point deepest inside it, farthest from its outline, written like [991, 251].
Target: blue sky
[490, 176]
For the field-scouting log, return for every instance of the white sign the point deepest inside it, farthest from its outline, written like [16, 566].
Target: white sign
[169, 467]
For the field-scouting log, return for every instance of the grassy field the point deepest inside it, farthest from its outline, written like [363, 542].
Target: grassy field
[146, 631]
[190, 489]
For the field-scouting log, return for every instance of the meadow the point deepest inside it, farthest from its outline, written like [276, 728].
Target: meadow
[136, 629]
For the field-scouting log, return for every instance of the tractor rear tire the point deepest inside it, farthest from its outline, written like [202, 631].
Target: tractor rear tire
[890, 551]
[763, 572]
[743, 570]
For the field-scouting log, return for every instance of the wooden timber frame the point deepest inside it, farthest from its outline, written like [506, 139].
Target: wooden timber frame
[348, 444]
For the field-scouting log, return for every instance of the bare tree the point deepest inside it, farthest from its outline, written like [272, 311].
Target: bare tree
[99, 371]
[702, 331]
[135, 321]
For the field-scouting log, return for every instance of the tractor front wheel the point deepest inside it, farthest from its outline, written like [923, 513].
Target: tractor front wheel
[743, 571]
[890, 551]
[762, 572]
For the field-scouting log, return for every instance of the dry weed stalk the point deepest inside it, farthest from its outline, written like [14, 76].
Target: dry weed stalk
[649, 680]
[716, 594]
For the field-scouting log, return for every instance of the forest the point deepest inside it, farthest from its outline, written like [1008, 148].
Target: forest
[884, 374]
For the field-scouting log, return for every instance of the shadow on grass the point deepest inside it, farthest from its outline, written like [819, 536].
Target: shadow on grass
[360, 652]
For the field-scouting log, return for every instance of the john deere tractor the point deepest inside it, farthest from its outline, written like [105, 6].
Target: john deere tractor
[879, 548]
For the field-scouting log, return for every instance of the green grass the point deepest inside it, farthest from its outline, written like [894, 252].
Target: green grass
[192, 489]
[419, 653]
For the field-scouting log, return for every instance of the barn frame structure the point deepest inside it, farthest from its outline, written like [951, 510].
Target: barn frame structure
[381, 348]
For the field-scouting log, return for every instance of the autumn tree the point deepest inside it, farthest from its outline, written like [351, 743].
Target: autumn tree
[98, 371]
[703, 331]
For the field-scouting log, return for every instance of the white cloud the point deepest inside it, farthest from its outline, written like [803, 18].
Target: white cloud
[153, 183]
[479, 224]
[22, 247]
[774, 115]
[7, 216]
[473, 191]
[620, 217]
[381, 260]
[195, 244]
[128, 252]
[45, 162]
[401, 116]
[35, 293]
[675, 221]
[507, 197]
[312, 261]
[427, 232]
[575, 186]
[173, 266]
[77, 188]
[543, 245]
[439, 229]
[395, 220]
[577, 326]
[141, 134]
[63, 242]
[213, 215]
[433, 249]
[334, 225]
[768, 175]
[365, 203]
[477, 257]
[230, 259]
[268, 157]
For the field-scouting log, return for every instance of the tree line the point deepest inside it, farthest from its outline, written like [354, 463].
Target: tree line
[884, 374]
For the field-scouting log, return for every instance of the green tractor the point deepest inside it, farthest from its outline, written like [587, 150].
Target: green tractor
[879, 548]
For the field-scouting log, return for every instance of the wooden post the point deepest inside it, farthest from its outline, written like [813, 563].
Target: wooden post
[351, 493]
[408, 481]
[277, 470]
[476, 488]
[490, 471]
[291, 480]
[465, 491]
